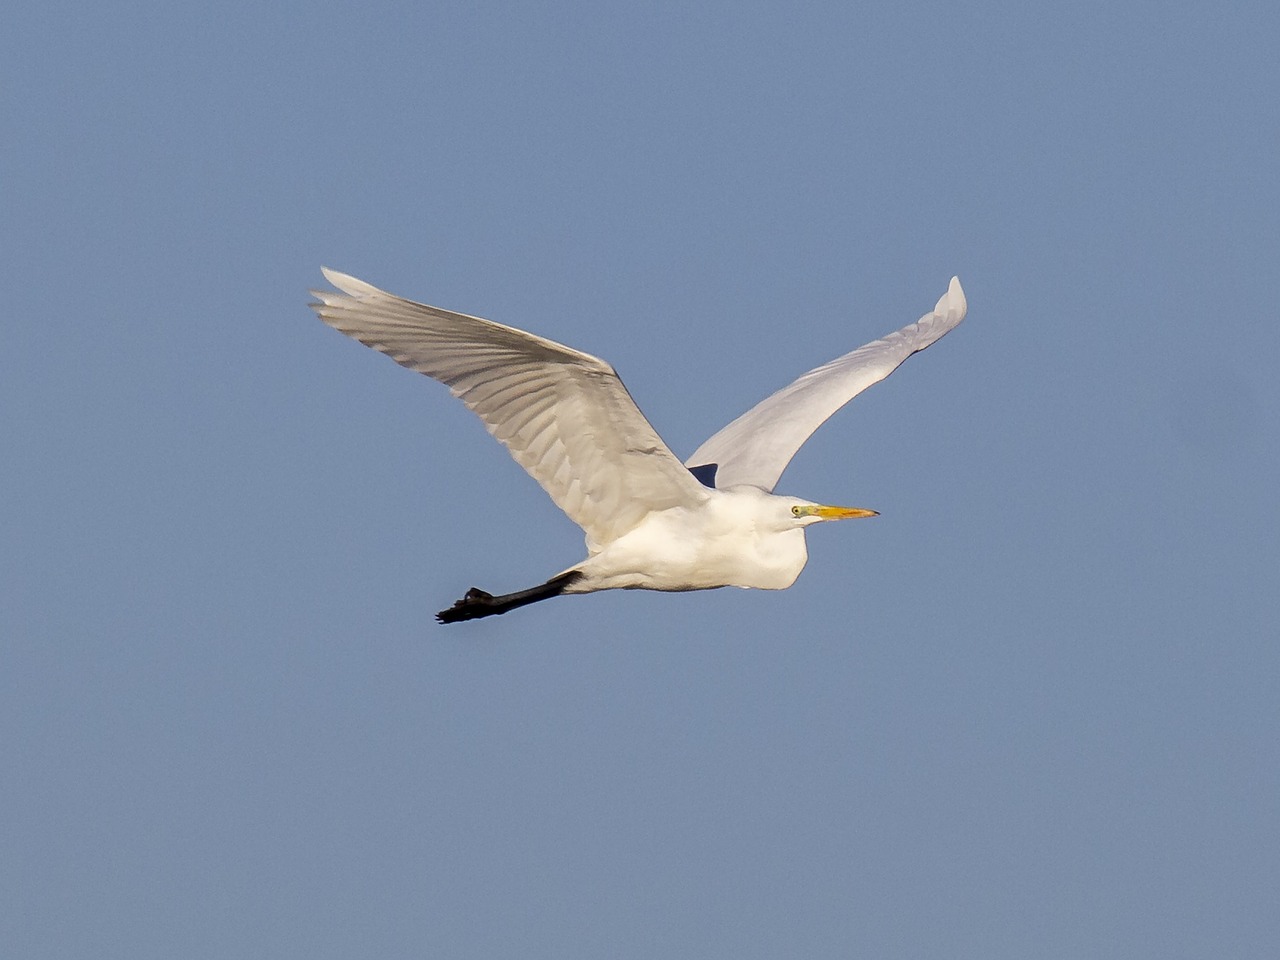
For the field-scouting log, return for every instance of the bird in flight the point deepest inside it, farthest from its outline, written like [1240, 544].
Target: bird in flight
[651, 522]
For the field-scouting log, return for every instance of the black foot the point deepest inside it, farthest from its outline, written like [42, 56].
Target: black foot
[476, 603]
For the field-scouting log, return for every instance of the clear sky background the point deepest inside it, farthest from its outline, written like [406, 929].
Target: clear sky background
[1033, 710]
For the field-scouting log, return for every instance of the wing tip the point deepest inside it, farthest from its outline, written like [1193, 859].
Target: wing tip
[953, 302]
[351, 286]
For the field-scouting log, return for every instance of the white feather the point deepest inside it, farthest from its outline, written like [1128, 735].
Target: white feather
[564, 415]
[757, 447]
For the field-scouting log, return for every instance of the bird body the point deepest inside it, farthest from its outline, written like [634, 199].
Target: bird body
[739, 537]
[651, 522]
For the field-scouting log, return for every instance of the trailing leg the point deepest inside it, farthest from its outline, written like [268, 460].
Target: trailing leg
[476, 603]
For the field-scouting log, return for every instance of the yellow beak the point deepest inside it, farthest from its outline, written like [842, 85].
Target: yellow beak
[843, 513]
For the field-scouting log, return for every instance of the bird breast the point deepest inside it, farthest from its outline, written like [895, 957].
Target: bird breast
[730, 540]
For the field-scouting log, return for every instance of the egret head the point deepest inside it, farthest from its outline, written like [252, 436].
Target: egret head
[804, 513]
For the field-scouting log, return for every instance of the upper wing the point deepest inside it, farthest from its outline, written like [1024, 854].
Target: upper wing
[757, 447]
[564, 415]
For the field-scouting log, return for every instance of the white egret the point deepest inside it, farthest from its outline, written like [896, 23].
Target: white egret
[651, 522]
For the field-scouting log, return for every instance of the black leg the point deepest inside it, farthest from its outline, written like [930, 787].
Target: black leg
[476, 603]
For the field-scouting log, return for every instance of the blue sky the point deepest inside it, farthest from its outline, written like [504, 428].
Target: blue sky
[1031, 710]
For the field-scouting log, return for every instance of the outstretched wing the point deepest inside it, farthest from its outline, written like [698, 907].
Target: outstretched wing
[757, 447]
[564, 415]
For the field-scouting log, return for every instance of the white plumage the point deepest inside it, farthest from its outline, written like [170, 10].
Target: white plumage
[569, 421]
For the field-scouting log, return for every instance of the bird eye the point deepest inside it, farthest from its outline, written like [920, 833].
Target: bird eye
[795, 511]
